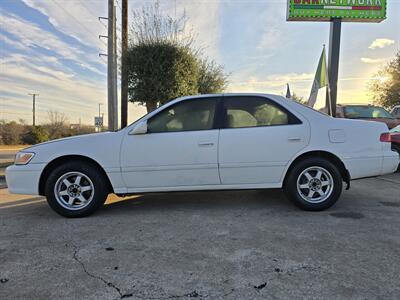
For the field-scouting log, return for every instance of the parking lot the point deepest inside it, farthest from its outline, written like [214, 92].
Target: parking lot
[214, 245]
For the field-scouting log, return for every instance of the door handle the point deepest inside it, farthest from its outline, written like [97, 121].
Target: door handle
[206, 144]
[294, 139]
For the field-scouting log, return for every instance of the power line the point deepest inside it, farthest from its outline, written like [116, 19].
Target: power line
[87, 8]
[15, 113]
[118, 5]
[83, 26]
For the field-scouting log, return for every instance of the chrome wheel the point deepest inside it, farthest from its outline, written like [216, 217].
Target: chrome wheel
[315, 184]
[74, 190]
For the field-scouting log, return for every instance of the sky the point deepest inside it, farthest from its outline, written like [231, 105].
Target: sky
[51, 47]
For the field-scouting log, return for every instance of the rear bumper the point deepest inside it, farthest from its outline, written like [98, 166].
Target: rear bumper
[361, 167]
[390, 163]
[24, 179]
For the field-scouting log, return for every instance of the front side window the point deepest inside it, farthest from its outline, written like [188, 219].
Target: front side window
[188, 115]
[243, 112]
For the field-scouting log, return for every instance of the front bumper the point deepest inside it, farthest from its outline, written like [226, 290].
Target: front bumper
[24, 179]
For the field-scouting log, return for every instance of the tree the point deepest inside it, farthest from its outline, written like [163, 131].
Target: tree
[212, 79]
[163, 64]
[37, 134]
[10, 132]
[385, 87]
[57, 127]
[159, 72]
[298, 98]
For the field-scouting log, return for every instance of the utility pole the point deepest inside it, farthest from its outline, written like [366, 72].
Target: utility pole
[124, 75]
[112, 70]
[33, 108]
[100, 127]
[115, 70]
[333, 64]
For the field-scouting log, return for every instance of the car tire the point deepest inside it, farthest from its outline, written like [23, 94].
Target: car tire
[396, 148]
[76, 189]
[314, 184]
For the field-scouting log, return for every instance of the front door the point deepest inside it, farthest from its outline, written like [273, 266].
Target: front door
[180, 148]
[257, 140]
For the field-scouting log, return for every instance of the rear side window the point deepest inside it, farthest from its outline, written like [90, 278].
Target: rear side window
[242, 112]
[188, 115]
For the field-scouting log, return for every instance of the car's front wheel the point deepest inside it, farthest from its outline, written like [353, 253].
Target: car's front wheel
[76, 189]
[314, 184]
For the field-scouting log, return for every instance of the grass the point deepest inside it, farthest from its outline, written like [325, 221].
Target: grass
[13, 147]
[4, 165]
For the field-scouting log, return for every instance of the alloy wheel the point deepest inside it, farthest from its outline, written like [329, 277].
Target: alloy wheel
[315, 184]
[74, 190]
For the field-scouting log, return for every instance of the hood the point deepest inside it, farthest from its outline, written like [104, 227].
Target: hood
[83, 137]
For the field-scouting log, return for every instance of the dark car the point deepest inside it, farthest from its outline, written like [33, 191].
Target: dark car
[367, 112]
[395, 138]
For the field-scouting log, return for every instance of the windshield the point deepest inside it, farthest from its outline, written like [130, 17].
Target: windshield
[368, 112]
[396, 129]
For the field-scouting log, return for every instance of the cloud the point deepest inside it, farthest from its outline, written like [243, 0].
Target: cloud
[29, 36]
[369, 60]
[59, 87]
[77, 19]
[275, 83]
[203, 21]
[381, 43]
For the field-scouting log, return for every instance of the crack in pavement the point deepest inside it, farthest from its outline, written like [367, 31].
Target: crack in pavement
[193, 294]
[108, 283]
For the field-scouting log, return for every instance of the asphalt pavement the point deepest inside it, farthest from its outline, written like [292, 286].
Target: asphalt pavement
[206, 245]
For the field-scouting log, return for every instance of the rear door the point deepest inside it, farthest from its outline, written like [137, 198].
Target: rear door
[258, 138]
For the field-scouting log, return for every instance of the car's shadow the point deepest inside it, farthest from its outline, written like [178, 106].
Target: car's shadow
[215, 200]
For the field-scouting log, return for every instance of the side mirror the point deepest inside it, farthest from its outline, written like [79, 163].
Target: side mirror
[140, 128]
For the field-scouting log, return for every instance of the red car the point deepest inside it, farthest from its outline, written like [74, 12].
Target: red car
[367, 112]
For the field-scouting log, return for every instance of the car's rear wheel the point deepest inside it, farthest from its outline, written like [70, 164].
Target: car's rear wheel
[76, 189]
[314, 184]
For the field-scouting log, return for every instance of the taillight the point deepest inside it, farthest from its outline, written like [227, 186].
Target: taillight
[386, 137]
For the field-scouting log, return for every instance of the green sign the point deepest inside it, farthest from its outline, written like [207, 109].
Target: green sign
[347, 10]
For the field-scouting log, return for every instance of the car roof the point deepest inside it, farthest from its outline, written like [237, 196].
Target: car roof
[229, 94]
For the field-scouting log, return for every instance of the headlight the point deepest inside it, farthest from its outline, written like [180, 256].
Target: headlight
[22, 158]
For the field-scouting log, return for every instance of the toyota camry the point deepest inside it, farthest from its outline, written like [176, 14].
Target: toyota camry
[208, 142]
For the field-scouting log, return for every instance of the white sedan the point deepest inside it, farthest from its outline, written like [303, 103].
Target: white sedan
[208, 142]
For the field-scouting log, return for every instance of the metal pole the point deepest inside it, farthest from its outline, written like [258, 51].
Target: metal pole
[110, 64]
[115, 69]
[124, 75]
[333, 65]
[99, 127]
[34, 109]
